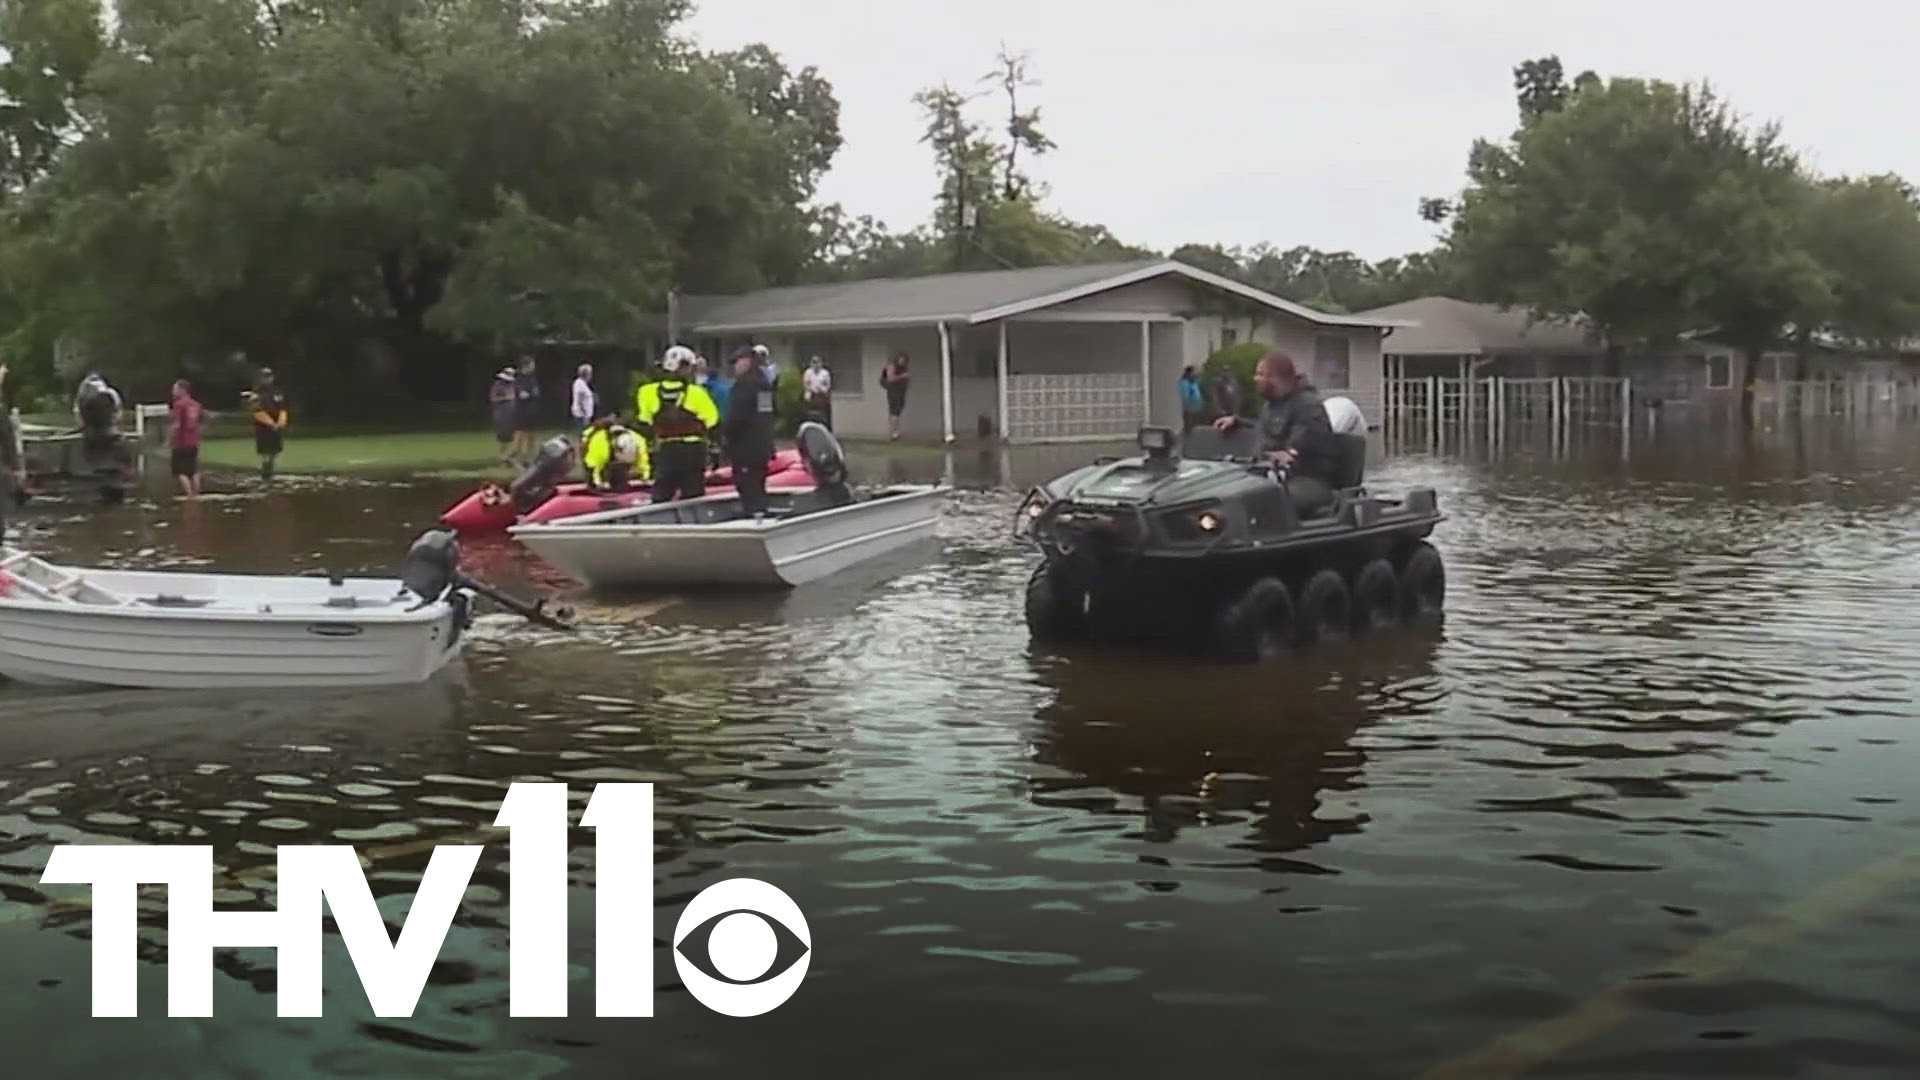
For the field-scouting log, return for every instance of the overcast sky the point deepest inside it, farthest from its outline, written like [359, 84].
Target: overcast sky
[1240, 121]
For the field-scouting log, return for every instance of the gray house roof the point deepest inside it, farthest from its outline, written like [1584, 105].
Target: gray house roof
[1449, 327]
[975, 297]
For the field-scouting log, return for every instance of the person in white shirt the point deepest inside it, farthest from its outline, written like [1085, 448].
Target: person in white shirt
[1345, 416]
[584, 399]
[818, 384]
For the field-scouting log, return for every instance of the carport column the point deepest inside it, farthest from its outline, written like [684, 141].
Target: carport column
[1146, 372]
[1004, 435]
[946, 380]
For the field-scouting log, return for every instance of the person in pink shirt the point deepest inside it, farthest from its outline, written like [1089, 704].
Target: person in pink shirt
[183, 436]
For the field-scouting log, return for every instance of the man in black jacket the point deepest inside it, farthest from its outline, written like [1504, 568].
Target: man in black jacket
[748, 428]
[1295, 433]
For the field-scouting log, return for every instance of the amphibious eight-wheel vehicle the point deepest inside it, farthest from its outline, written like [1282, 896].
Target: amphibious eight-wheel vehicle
[1205, 549]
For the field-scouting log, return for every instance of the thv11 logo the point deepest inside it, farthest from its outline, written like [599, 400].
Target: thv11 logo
[741, 920]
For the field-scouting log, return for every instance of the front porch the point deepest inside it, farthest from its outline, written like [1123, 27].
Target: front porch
[1038, 378]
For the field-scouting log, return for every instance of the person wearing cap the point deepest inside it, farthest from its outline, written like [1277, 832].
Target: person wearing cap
[612, 455]
[767, 366]
[500, 401]
[1295, 432]
[749, 433]
[679, 415]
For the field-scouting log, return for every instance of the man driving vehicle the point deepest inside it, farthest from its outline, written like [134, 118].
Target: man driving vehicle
[1295, 432]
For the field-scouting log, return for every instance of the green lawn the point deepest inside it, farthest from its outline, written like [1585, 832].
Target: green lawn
[414, 451]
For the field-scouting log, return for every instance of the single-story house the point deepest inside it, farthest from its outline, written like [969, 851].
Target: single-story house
[1456, 339]
[1042, 354]
[1465, 340]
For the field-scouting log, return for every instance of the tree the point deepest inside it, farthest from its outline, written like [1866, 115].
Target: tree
[987, 211]
[428, 180]
[1865, 232]
[1646, 208]
[49, 47]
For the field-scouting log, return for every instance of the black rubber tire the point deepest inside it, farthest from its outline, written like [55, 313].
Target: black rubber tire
[1375, 596]
[1423, 584]
[1055, 612]
[1257, 626]
[1323, 610]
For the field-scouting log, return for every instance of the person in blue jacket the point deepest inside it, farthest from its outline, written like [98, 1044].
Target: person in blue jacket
[1193, 401]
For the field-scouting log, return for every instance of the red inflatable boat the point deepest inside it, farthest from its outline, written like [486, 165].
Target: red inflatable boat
[490, 509]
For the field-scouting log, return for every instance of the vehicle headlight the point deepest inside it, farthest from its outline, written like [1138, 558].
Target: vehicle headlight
[1209, 522]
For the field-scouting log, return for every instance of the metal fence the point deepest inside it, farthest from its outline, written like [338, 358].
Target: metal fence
[1839, 397]
[1444, 410]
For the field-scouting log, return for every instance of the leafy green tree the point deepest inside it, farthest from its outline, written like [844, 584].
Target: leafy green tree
[1645, 207]
[1865, 232]
[424, 180]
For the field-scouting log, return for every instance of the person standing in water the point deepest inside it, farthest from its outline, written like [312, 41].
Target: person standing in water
[526, 410]
[504, 412]
[894, 379]
[186, 417]
[13, 468]
[269, 408]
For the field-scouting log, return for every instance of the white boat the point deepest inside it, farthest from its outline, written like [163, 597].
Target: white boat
[162, 630]
[707, 542]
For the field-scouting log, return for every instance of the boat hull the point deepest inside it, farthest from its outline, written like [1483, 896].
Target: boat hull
[476, 514]
[299, 643]
[776, 553]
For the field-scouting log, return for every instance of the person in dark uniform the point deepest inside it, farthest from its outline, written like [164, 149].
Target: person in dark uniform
[678, 414]
[1295, 432]
[749, 433]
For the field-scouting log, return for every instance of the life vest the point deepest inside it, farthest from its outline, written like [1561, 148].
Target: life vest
[675, 420]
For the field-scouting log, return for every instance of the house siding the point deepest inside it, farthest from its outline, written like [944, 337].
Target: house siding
[1184, 327]
[1365, 371]
[1162, 296]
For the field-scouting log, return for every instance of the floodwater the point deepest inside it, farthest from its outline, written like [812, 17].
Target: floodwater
[1628, 809]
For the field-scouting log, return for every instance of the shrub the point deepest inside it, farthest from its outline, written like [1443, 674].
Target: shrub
[789, 401]
[1239, 361]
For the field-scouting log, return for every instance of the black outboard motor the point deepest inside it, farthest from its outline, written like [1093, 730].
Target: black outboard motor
[551, 464]
[826, 462]
[432, 566]
[432, 570]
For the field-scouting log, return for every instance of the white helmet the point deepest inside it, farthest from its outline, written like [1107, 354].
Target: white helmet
[761, 351]
[677, 357]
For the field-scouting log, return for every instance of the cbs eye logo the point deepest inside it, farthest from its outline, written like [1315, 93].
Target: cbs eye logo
[742, 947]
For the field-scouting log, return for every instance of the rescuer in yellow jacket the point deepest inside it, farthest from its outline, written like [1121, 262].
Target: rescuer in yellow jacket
[613, 456]
[680, 415]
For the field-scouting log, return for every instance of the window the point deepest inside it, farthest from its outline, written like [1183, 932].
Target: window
[1719, 372]
[986, 361]
[1228, 337]
[1330, 361]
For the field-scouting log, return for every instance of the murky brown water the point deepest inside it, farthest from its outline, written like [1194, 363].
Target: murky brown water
[1673, 693]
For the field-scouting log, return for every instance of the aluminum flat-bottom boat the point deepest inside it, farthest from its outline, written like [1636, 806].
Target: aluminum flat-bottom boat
[62, 625]
[710, 543]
